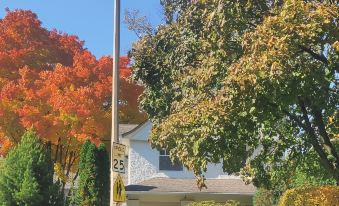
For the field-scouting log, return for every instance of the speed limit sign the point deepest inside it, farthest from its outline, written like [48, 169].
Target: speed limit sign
[118, 158]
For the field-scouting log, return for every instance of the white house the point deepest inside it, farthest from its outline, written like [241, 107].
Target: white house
[152, 180]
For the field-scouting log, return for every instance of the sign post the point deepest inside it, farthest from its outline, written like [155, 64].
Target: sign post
[115, 95]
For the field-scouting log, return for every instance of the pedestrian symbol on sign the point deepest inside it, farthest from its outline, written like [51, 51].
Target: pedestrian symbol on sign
[119, 194]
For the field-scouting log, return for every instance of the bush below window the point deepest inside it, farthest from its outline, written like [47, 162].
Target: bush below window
[212, 203]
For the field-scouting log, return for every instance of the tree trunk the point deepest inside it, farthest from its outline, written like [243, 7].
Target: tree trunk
[312, 136]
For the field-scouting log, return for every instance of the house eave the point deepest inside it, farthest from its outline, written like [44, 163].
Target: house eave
[183, 193]
[131, 135]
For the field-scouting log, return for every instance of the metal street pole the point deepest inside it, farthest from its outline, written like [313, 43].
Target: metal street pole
[115, 89]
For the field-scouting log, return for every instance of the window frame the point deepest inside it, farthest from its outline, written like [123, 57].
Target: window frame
[176, 167]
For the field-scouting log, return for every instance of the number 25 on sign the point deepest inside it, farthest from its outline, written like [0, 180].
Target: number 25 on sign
[118, 158]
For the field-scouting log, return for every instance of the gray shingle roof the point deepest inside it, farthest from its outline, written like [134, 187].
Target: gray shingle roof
[230, 186]
[124, 128]
[134, 128]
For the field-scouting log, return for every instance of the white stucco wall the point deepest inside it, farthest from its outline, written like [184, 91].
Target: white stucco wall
[143, 161]
[144, 164]
[140, 165]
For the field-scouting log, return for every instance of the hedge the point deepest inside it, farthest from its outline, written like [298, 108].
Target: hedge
[212, 203]
[263, 197]
[307, 196]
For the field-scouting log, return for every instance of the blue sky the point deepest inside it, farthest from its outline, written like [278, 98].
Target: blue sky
[91, 20]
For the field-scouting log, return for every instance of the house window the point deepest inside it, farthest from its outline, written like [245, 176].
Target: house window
[165, 162]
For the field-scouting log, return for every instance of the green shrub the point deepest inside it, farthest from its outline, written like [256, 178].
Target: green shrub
[232, 203]
[205, 203]
[263, 197]
[307, 196]
[94, 179]
[27, 175]
[212, 203]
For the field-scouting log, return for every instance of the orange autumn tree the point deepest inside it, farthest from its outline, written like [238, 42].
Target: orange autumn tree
[129, 92]
[51, 83]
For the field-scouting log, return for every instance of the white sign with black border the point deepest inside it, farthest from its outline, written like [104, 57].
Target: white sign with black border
[118, 158]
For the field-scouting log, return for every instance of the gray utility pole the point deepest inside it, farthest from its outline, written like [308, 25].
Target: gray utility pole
[115, 89]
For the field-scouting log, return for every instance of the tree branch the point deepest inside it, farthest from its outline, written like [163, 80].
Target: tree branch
[60, 156]
[322, 131]
[68, 169]
[67, 151]
[319, 57]
[291, 116]
[314, 141]
[57, 151]
[76, 175]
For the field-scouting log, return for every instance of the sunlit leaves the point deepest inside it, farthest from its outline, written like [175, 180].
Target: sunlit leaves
[226, 80]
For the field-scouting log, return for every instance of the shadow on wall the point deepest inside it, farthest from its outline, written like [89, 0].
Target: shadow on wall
[139, 188]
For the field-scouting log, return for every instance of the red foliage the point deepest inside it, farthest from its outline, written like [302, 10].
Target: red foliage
[48, 81]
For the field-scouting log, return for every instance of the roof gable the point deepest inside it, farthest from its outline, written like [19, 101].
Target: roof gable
[141, 132]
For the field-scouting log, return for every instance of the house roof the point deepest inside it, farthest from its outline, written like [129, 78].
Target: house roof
[134, 128]
[126, 128]
[140, 132]
[170, 185]
[123, 128]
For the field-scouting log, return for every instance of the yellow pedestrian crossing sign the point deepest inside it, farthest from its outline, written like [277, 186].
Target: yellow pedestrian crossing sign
[119, 194]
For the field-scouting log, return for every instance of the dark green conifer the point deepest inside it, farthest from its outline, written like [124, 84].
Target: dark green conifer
[103, 180]
[93, 185]
[87, 193]
[27, 175]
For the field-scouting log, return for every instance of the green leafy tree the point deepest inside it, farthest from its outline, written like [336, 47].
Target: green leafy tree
[306, 171]
[27, 175]
[250, 83]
